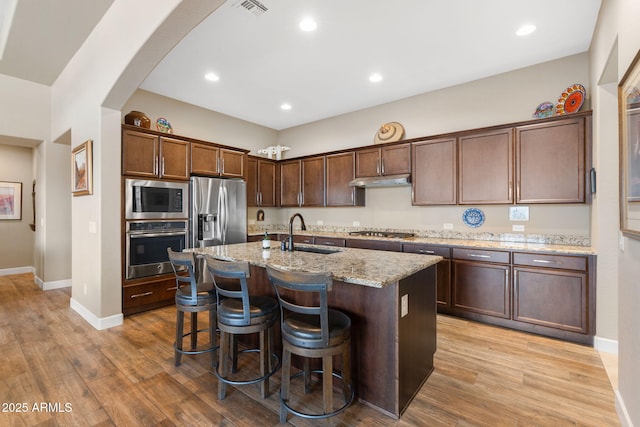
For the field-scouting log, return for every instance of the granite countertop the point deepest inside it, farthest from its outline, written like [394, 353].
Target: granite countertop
[359, 266]
[469, 243]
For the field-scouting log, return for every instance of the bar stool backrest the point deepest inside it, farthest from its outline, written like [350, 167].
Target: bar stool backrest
[237, 270]
[184, 261]
[316, 285]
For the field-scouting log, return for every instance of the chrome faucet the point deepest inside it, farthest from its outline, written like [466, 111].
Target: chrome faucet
[303, 227]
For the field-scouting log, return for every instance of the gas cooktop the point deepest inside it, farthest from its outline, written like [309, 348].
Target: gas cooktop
[388, 234]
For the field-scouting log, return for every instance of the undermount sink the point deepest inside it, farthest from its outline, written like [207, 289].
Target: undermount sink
[315, 250]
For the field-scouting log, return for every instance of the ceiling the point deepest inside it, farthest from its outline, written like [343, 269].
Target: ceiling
[264, 60]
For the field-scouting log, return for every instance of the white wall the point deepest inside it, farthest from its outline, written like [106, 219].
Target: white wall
[616, 42]
[17, 242]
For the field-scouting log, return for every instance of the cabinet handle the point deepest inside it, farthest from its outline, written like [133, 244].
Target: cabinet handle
[327, 243]
[155, 166]
[162, 165]
[257, 199]
[511, 191]
[479, 256]
[424, 251]
[175, 288]
[261, 198]
[378, 167]
[544, 261]
[382, 163]
[146, 294]
[222, 166]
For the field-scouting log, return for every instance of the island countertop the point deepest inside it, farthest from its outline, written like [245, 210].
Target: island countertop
[376, 269]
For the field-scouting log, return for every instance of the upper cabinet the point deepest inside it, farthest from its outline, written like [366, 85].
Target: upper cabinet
[485, 167]
[211, 160]
[341, 171]
[154, 156]
[550, 162]
[388, 160]
[261, 182]
[303, 182]
[434, 172]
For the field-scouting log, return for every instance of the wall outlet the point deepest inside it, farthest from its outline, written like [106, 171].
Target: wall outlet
[356, 223]
[447, 226]
[319, 222]
[517, 227]
[404, 305]
[92, 227]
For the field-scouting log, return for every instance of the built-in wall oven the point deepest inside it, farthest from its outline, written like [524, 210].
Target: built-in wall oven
[147, 243]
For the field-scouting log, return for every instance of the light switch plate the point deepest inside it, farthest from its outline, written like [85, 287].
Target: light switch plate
[447, 226]
[517, 227]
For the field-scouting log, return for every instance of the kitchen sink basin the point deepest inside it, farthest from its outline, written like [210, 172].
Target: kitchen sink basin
[315, 250]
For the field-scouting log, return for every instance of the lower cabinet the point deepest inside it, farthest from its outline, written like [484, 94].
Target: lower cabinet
[147, 294]
[484, 286]
[380, 245]
[443, 270]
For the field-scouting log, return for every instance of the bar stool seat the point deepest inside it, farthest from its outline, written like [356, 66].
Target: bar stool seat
[238, 313]
[192, 298]
[312, 331]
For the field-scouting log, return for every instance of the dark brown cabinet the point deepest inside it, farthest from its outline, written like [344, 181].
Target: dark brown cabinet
[380, 245]
[261, 182]
[482, 282]
[211, 160]
[329, 241]
[550, 162]
[485, 167]
[341, 171]
[443, 269]
[303, 182]
[388, 160]
[551, 290]
[147, 294]
[154, 156]
[434, 172]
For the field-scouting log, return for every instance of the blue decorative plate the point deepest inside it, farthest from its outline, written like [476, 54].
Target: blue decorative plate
[473, 217]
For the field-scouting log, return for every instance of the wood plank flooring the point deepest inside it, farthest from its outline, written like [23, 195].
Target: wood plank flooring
[59, 371]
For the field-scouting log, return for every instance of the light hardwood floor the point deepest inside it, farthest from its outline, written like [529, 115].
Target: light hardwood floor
[484, 376]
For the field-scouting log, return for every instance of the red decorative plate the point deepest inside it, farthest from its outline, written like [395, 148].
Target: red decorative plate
[571, 99]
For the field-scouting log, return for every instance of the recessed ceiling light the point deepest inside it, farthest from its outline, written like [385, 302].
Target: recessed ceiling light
[526, 30]
[212, 77]
[375, 78]
[286, 106]
[308, 24]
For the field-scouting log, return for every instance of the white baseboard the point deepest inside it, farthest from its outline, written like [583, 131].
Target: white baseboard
[54, 284]
[605, 345]
[621, 409]
[16, 270]
[96, 322]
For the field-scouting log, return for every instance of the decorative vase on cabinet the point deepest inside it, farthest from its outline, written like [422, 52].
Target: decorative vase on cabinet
[137, 118]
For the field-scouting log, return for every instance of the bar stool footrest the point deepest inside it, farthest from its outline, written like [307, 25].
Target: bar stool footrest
[318, 416]
[250, 381]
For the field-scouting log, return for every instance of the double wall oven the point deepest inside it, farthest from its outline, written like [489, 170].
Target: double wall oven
[156, 214]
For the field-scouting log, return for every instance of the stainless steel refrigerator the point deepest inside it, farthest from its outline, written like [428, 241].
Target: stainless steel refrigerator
[218, 214]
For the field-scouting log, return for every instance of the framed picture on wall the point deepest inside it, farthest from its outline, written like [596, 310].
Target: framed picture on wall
[81, 169]
[10, 200]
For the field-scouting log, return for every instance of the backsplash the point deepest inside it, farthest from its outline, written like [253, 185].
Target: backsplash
[550, 239]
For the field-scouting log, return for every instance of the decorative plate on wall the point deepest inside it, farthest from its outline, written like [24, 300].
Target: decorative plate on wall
[389, 132]
[473, 217]
[571, 99]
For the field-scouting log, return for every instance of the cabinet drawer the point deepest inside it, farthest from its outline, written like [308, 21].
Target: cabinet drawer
[329, 241]
[551, 261]
[418, 248]
[381, 245]
[481, 255]
[303, 239]
[144, 296]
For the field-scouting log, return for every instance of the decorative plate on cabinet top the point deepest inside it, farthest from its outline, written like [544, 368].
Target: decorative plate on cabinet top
[571, 99]
[545, 109]
[163, 125]
[473, 217]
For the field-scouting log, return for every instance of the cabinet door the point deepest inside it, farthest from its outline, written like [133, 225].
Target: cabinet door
[290, 191]
[482, 288]
[267, 183]
[139, 154]
[550, 162]
[396, 159]
[174, 163]
[443, 269]
[379, 245]
[367, 162]
[313, 181]
[204, 159]
[340, 171]
[485, 168]
[231, 163]
[252, 183]
[550, 297]
[434, 172]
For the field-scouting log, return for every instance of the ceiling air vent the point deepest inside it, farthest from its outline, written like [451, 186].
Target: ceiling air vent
[254, 7]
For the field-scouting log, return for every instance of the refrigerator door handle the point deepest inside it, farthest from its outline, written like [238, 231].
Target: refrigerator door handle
[224, 212]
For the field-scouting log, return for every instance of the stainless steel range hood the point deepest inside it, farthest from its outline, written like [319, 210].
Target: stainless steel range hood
[382, 181]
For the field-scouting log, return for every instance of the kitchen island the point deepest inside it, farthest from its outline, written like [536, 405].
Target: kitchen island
[390, 298]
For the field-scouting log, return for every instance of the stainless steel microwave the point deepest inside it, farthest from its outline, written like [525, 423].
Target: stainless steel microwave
[150, 199]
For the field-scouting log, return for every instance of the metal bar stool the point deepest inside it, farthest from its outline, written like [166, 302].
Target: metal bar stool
[312, 331]
[241, 314]
[192, 298]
